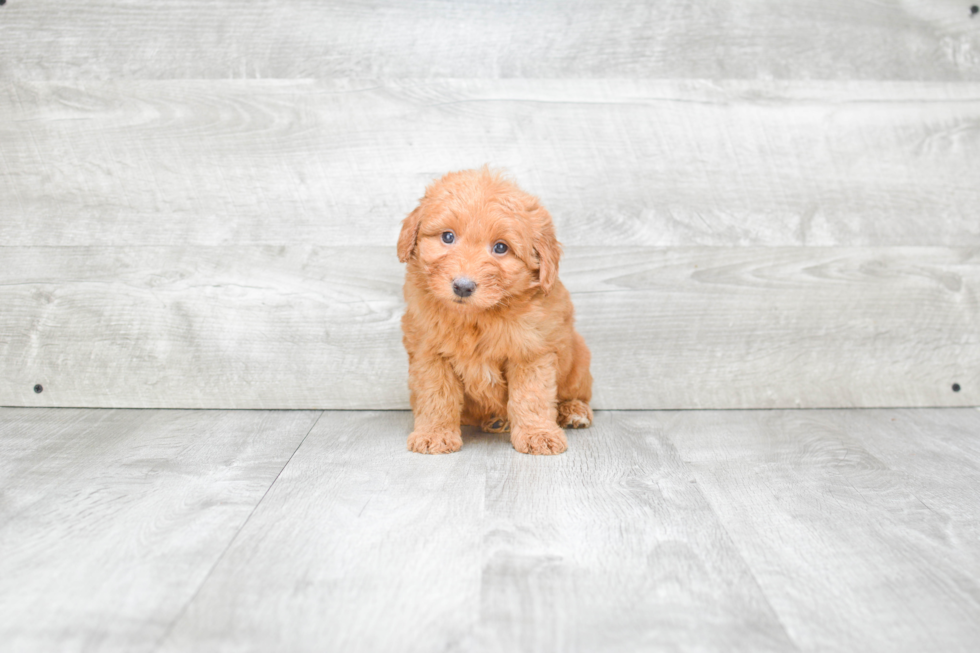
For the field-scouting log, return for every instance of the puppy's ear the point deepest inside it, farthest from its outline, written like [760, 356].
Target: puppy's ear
[546, 247]
[409, 235]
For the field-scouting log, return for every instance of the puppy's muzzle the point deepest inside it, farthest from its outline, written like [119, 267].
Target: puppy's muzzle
[463, 286]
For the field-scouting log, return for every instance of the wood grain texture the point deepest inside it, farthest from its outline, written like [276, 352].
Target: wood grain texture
[362, 546]
[851, 552]
[781, 327]
[612, 547]
[111, 520]
[799, 39]
[660, 163]
[312, 327]
[937, 453]
[309, 327]
[242, 327]
[694, 530]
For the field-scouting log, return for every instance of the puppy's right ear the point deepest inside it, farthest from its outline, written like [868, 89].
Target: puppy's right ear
[409, 235]
[548, 249]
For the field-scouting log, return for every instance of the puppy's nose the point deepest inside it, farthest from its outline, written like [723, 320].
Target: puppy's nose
[463, 286]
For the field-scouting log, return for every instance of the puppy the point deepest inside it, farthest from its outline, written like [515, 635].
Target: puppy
[489, 327]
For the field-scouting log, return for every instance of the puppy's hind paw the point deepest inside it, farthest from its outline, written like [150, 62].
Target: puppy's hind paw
[495, 425]
[574, 414]
[435, 441]
[539, 441]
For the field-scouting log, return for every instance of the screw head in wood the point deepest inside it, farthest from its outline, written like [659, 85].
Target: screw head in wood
[38, 388]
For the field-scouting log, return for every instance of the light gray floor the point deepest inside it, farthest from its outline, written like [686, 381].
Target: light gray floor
[154, 530]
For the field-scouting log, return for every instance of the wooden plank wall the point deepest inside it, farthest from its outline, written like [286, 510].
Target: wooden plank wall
[763, 204]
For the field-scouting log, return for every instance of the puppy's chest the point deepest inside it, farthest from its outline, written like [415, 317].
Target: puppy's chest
[478, 356]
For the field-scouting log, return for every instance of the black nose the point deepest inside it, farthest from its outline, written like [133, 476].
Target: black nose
[463, 287]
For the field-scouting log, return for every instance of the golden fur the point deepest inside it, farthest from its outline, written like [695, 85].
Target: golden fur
[506, 355]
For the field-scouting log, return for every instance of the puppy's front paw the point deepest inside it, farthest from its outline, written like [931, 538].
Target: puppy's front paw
[539, 440]
[435, 441]
[575, 414]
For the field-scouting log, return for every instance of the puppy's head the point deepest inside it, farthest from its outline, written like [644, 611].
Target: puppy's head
[477, 241]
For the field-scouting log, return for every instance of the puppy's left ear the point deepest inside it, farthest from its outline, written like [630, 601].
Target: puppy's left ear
[409, 235]
[546, 247]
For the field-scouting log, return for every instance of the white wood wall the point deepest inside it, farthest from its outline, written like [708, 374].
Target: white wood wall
[764, 204]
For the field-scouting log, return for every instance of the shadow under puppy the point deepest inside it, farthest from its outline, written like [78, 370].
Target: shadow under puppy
[489, 327]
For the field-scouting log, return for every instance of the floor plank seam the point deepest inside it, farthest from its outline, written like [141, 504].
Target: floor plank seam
[231, 541]
[735, 547]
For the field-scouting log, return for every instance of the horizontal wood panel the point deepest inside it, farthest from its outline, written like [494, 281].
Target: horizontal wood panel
[314, 327]
[617, 162]
[799, 39]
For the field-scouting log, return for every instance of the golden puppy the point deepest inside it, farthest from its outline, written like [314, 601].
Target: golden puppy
[488, 327]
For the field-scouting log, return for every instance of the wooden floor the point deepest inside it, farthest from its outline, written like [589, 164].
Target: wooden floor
[157, 530]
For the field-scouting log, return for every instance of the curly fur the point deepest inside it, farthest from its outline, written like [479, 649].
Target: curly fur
[506, 356]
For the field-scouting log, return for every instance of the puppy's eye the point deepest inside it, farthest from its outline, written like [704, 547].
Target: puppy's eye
[448, 237]
[500, 248]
